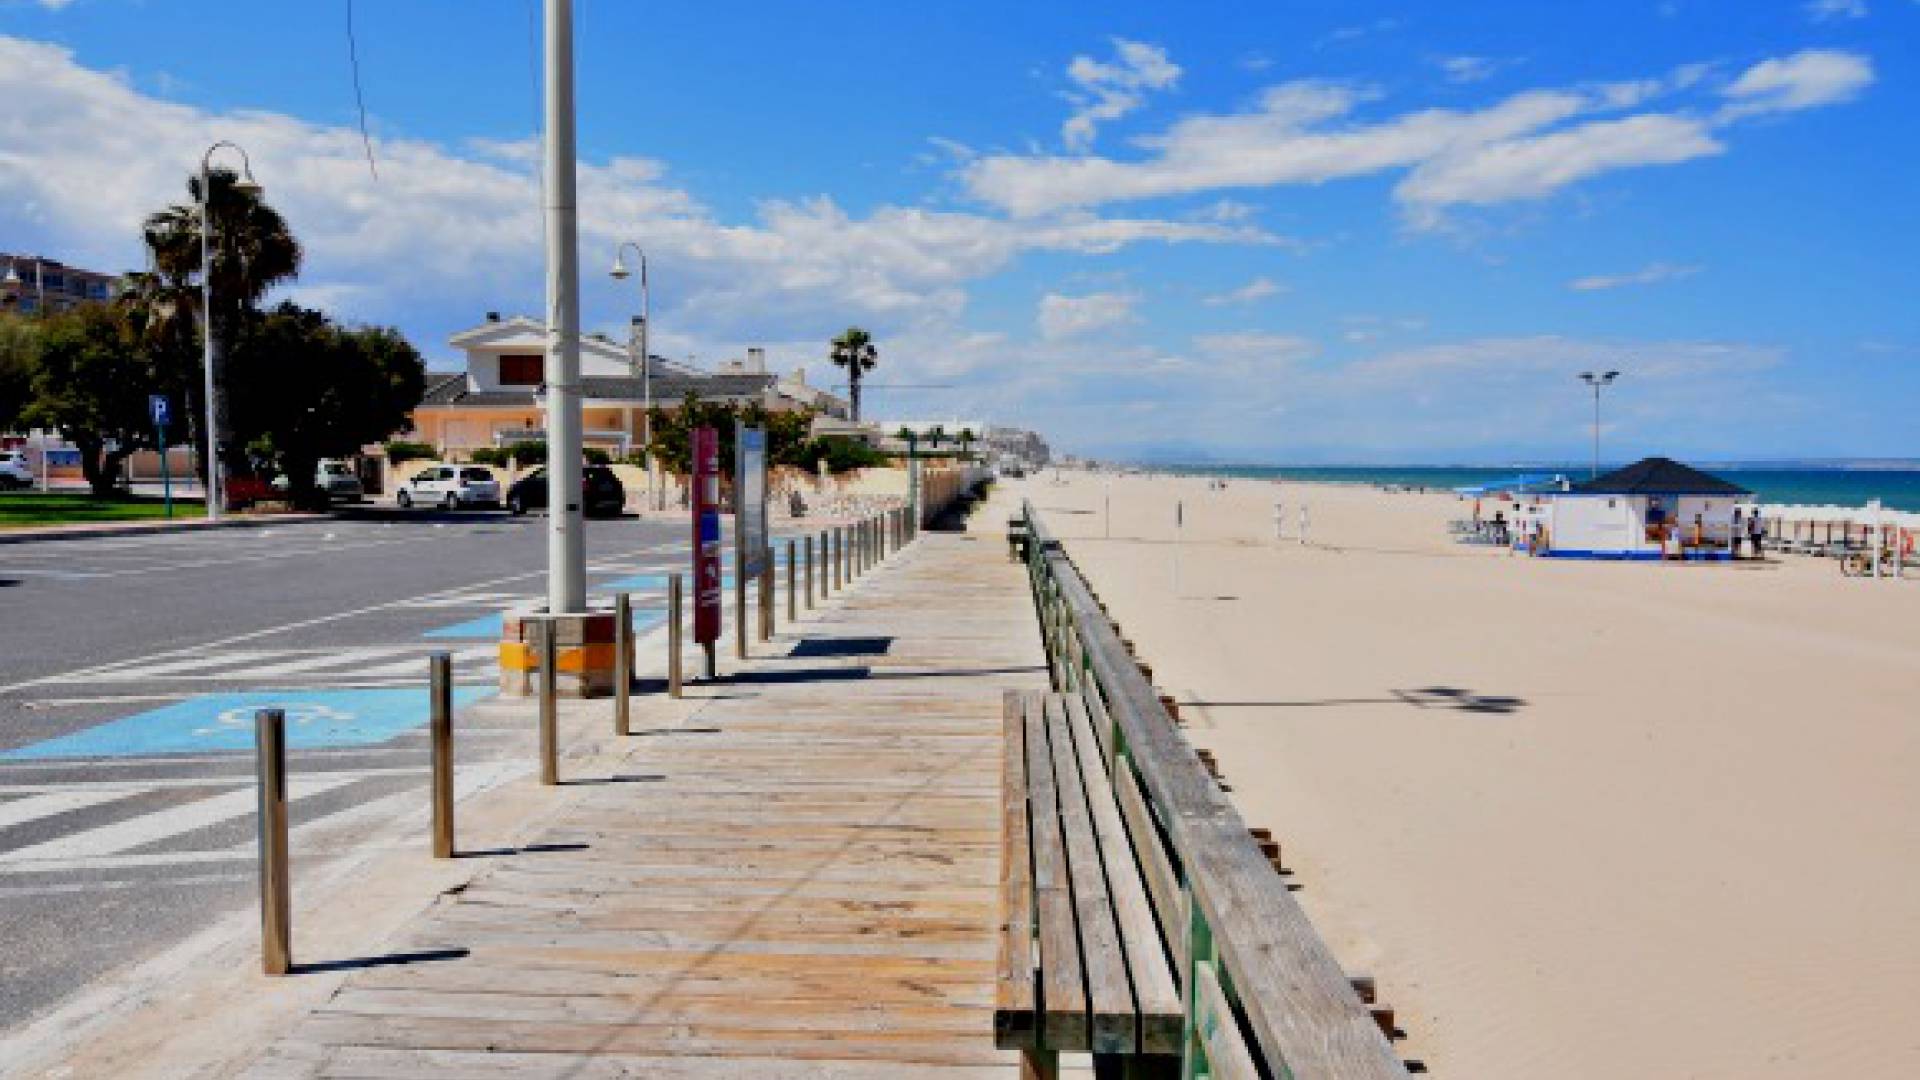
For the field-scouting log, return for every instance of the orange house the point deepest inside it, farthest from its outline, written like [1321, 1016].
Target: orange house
[495, 402]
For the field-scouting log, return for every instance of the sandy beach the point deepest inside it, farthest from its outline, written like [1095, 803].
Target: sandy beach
[1579, 819]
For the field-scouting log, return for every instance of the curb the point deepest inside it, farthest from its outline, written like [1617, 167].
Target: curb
[92, 532]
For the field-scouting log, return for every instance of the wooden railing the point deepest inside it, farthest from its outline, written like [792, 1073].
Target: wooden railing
[1264, 995]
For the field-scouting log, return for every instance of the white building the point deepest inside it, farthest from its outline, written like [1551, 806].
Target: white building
[1655, 508]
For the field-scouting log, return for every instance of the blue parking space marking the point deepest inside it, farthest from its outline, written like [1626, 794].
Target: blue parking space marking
[649, 583]
[315, 718]
[490, 627]
[484, 628]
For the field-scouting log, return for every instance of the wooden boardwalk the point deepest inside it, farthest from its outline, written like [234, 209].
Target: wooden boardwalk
[800, 881]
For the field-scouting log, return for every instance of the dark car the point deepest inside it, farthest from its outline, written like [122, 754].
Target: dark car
[604, 494]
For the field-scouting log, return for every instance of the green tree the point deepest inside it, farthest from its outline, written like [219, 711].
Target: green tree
[305, 388]
[91, 381]
[252, 249]
[789, 440]
[966, 443]
[19, 346]
[855, 351]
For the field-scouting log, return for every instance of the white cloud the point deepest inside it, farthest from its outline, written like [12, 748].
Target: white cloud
[1829, 10]
[1070, 316]
[1525, 146]
[1110, 90]
[1808, 79]
[1253, 352]
[84, 156]
[1258, 289]
[1529, 168]
[1651, 274]
[1470, 69]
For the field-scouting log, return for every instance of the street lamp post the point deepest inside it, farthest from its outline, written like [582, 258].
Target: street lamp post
[621, 273]
[566, 540]
[1597, 380]
[210, 351]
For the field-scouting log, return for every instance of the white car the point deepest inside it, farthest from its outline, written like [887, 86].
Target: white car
[451, 487]
[14, 470]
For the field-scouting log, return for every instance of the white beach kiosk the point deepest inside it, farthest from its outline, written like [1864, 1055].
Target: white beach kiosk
[1655, 508]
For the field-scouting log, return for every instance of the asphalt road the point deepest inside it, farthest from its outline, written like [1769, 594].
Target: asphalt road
[129, 672]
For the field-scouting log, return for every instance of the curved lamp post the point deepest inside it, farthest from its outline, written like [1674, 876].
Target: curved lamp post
[620, 272]
[246, 185]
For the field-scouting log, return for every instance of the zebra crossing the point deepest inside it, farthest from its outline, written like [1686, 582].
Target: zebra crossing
[400, 664]
[145, 825]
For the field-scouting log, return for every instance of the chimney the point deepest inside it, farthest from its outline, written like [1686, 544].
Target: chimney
[757, 361]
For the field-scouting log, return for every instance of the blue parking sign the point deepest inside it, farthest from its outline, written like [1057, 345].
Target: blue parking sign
[158, 406]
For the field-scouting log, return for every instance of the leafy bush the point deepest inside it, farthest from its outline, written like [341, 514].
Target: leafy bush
[844, 455]
[398, 452]
[490, 455]
[528, 453]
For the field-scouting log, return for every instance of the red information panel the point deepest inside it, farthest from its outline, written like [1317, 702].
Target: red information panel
[706, 535]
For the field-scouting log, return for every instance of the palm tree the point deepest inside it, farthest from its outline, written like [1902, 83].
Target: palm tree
[252, 250]
[966, 443]
[854, 351]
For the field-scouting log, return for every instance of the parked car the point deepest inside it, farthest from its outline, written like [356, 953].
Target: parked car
[333, 478]
[603, 492]
[450, 486]
[338, 480]
[14, 470]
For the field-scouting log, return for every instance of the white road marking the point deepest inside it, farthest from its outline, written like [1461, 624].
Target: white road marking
[273, 665]
[86, 849]
[147, 883]
[136, 670]
[49, 803]
[471, 656]
[332, 659]
[133, 787]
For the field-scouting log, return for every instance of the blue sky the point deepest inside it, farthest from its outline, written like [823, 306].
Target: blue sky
[1285, 232]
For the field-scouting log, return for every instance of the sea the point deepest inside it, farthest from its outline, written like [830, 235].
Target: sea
[1897, 488]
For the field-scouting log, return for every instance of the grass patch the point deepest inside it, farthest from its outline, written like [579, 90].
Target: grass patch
[21, 509]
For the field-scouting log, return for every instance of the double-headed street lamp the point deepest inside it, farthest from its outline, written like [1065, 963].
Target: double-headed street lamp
[620, 272]
[246, 186]
[1597, 380]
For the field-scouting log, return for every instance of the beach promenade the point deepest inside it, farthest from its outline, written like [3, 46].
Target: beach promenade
[1578, 819]
[794, 872]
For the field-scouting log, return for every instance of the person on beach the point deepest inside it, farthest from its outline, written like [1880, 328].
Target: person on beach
[1735, 534]
[1756, 534]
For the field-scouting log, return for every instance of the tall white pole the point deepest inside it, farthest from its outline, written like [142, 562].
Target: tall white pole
[646, 383]
[212, 389]
[1596, 430]
[566, 543]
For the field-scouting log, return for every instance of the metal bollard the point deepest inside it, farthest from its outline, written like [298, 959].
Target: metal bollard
[440, 724]
[809, 572]
[766, 601]
[549, 703]
[622, 664]
[741, 628]
[793, 579]
[833, 537]
[674, 630]
[276, 906]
